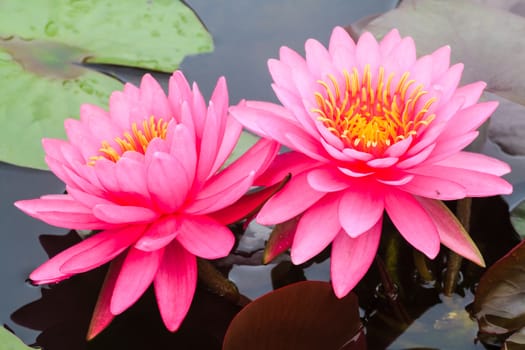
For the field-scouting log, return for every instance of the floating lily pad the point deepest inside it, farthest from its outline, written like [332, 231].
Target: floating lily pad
[304, 315]
[10, 342]
[44, 44]
[498, 305]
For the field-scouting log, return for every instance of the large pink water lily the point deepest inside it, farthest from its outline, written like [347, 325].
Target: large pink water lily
[372, 128]
[147, 173]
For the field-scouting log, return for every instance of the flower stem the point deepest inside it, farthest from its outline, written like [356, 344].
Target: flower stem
[463, 212]
[215, 281]
[390, 291]
[422, 267]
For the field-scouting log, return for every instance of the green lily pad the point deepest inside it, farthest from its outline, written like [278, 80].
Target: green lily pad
[44, 44]
[10, 342]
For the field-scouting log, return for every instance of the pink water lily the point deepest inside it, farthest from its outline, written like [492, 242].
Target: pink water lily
[372, 128]
[149, 174]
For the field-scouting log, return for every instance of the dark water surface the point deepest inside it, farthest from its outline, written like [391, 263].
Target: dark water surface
[246, 34]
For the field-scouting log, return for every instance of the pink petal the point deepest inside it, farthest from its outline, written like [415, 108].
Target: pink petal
[198, 111]
[86, 199]
[367, 52]
[416, 159]
[360, 208]
[62, 213]
[476, 184]
[389, 42]
[269, 125]
[119, 109]
[399, 148]
[281, 73]
[177, 272]
[159, 234]
[137, 273]
[102, 317]
[295, 104]
[327, 179]
[447, 147]
[285, 163]
[97, 121]
[471, 92]
[403, 56]
[440, 61]
[257, 158]
[106, 174]
[178, 90]
[396, 180]
[219, 200]
[209, 144]
[105, 247]
[318, 59]
[120, 214]
[332, 148]
[308, 146]
[79, 136]
[219, 97]
[205, 237]
[316, 229]
[131, 178]
[477, 162]
[448, 82]
[292, 200]
[340, 38]
[434, 187]
[153, 98]
[247, 205]
[451, 233]
[231, 135]
[182, 148]
[382, 162]
[412, 221]
[352, 257]
[470, 118]
[167, 182]
[355, 173]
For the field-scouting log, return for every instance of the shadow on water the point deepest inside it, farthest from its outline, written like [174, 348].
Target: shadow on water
[245, 36]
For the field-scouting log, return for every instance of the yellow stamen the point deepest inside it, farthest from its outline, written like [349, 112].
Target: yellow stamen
[369, 115]
[137, 140]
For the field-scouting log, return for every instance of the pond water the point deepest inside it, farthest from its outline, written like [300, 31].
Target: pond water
[246, 34]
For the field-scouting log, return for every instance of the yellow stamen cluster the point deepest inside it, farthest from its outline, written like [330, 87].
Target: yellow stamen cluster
[136, 140]
[370, 117]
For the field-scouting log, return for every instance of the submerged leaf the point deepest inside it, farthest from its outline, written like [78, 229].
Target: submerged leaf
[304, 315]
[498, 305]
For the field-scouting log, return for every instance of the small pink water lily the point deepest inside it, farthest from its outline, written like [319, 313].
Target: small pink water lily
[372, 128]
[147, 173]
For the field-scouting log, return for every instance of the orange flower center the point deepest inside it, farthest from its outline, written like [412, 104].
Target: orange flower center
[371, 119]
[137, 140]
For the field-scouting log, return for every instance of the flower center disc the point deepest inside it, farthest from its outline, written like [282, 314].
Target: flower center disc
[137, 140]
[368, 118]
